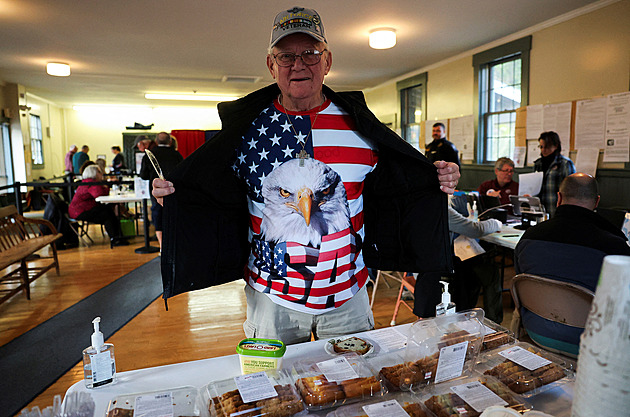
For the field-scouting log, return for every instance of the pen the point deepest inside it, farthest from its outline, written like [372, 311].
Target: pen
[509, 236]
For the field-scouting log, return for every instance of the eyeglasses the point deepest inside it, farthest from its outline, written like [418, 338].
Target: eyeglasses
[287, 59]
[507, 171]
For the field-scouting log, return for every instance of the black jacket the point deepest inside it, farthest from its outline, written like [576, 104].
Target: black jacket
[167, 157]
[442, 150]
[206, 221]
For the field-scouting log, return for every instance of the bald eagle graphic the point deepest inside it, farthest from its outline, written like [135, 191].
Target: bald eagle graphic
[303, 203]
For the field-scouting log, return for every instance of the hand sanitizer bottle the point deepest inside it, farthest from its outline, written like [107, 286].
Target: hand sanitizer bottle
[475, 213]
[446, 306]
[99, 365]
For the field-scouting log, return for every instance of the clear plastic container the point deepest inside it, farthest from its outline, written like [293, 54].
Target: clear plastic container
[542, 376]
[324, 382]
[439, 349]
[224, 399]
[409, 403]
[496, 336]
[178, 402]
[444, 400]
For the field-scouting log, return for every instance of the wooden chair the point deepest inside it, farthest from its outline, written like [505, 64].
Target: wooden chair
[408, 281]
[80, 228]
[557, 301]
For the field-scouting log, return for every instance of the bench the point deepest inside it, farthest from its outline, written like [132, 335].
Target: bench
[20, 238]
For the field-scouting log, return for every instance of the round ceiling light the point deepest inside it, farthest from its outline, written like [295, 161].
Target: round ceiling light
[382, 38]
[58, 69]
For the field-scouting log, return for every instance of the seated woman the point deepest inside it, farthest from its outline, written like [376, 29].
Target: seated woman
[85, 207]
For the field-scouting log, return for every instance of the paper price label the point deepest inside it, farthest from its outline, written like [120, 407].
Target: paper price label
[524, 358]
[451, 362]
[389, 338]
[102, 368]
[478, 396]
[338, 369]
[389, 408]
[255, 387]
[154, 405]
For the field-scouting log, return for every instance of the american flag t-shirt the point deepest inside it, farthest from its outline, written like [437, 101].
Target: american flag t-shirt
[309, 277]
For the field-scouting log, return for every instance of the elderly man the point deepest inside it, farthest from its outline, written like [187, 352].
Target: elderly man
[80, 158]
[301, 189]
[441, 149]
[73, 149]
[502, 186]
[569, 247]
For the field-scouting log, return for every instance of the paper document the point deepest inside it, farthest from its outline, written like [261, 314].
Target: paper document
[586, 160]
[530, 184]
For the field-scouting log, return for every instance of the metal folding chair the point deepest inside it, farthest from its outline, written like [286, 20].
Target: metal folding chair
[408, 281]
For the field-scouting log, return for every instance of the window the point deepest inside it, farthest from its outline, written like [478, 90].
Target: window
[37, 151]
[413, 95]
[6, 165]
[501, 84]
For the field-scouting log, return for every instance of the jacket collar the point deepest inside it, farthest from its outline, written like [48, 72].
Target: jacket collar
[581, 214]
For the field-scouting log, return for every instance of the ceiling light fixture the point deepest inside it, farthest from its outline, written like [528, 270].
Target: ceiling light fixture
[382, 38]
[58, 69]
[190, 97]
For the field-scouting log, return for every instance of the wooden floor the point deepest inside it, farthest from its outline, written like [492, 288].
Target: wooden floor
[198, 325]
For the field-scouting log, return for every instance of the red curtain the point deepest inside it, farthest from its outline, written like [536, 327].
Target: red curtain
[188, 140]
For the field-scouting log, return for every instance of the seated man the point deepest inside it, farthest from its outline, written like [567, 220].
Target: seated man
[502, 186]
[569, 247]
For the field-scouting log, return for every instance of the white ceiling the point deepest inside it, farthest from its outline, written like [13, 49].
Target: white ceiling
[121, 49]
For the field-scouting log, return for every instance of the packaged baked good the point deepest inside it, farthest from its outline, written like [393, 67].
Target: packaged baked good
[470, 396]
[439, 349]
[525, 369]
[324, 382]
[177, 402]
[496, 336]
[268, 393]
[390, 405]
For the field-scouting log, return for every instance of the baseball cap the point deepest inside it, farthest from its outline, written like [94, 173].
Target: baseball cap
[297, 20]
[139, 139]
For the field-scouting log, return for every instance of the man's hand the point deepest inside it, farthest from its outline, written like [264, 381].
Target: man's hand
[448, 175]
[162, 188]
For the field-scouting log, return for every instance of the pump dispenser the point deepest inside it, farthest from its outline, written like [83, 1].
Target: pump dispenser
[99, 365]
[475, 212]
[446, 306]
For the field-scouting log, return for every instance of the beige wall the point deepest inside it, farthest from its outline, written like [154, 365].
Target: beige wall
[581, 58]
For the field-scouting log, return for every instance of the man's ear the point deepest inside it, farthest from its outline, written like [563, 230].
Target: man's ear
[328, 63]
[596, 202]
[270, 66]
[559, 199]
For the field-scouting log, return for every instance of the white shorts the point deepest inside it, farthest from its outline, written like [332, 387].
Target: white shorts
[268, 320]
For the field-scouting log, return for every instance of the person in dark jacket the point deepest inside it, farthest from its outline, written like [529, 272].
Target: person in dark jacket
[168, 158]
[441, 149]
[555, 168]
[300, 167]
[118, 163]
[570, 247]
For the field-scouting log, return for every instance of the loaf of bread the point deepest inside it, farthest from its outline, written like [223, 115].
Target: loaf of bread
[230, 403]
[520, 379]
[494, 340]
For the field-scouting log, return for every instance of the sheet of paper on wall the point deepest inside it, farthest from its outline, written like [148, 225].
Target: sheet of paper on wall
[519, 156]
[590, 123]
[530, 184]
[617, 145]
[533, 152]
[462, 134]
[586, 161]
[534, 121]
[557, 118]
